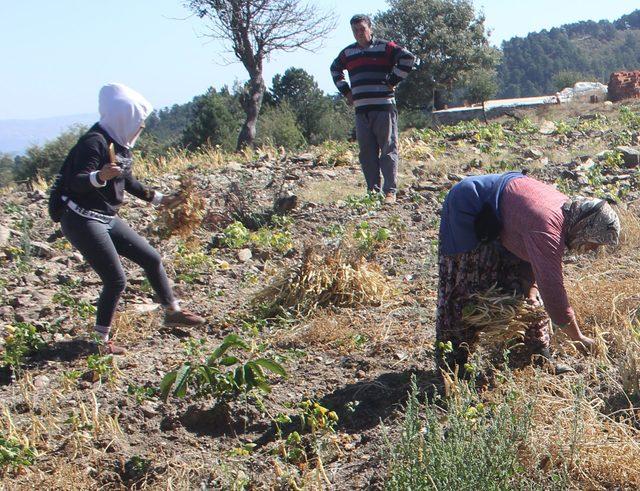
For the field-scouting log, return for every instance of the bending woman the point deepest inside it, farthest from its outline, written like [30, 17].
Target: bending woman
[95, 180]
[512, 230]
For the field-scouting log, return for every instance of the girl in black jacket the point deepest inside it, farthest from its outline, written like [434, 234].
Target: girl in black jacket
[98, 175]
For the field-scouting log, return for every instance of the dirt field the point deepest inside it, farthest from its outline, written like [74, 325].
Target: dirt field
[99, 423]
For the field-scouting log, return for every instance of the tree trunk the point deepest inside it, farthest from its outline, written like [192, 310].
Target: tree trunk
[439, 100]
[251, 102]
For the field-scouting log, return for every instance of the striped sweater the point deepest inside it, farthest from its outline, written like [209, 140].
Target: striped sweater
[371, 71]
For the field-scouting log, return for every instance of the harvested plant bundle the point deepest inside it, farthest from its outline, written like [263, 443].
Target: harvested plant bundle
[500, 317]
[326, 277]
[185, 216]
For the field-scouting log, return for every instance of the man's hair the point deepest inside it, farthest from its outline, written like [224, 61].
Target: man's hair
[360, 18]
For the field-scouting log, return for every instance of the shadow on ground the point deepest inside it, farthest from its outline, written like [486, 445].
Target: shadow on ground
[365, 404]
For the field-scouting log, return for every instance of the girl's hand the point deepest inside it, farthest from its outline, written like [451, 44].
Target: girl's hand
[109, 171]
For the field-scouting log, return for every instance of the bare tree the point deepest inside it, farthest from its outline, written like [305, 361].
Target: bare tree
[253, 30]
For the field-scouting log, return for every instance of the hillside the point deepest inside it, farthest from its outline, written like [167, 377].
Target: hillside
[18, 134]
[536, 64]
[337, 421]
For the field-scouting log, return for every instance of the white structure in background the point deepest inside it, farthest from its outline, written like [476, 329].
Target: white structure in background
[580, 92]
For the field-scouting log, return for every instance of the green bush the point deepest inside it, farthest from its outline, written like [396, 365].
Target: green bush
[47, 159]
[6, 169]
[459, 443]
[214, 121]
[278, 126]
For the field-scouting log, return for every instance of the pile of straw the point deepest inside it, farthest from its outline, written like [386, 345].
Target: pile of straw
[500, 318]
[326, 278]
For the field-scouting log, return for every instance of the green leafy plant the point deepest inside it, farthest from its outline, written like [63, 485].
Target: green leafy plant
[333, 231]
[613, 159]
[629, 118]
[15, 455]
[101, 368]
[70, 378]
[221, 376]
[525, 127]
[366, 203]
[142, 393]
[23, 340]
[276, 236]
[81, 308]
[236, 235]
[190, 265]
[563, 128]
[367, 238]
[489, 137]
[316, 418]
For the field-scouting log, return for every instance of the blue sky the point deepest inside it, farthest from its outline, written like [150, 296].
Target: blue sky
[56, 54]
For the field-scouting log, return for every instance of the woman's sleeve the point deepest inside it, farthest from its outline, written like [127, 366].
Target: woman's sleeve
[545, 254]
[136, 188]
[87, 161]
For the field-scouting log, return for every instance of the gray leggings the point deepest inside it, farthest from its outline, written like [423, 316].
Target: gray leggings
[101, 244]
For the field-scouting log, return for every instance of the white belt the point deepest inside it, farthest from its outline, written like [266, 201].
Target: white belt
[93, 215]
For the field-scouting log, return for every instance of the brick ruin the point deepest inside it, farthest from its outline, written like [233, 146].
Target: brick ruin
[624, 85]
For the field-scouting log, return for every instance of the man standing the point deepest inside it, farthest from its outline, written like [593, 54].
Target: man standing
[375, 67]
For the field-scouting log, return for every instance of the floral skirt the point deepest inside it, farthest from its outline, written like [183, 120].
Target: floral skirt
[462, 275]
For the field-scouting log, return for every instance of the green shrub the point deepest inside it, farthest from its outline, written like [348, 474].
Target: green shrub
[47, 159]
[278, 126]
[214, 121]
[459, 443]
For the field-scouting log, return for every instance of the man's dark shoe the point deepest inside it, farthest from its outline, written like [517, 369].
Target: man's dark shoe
[182, 318]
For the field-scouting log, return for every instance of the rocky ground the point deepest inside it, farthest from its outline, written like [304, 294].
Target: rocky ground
[98, 422]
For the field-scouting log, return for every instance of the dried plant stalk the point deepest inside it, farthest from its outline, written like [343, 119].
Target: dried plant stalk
[326, 277]
[500, 317]
[183, 218]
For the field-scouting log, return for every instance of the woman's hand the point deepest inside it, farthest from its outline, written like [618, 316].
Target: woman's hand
[533, 297]
[582, 342]
[109, 171]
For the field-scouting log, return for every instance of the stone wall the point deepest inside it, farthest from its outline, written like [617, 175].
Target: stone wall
[624, 85]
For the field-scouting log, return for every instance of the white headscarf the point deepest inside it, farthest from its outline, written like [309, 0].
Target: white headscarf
[122, 112]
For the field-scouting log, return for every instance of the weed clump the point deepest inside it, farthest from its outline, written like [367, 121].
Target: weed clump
[458, 443]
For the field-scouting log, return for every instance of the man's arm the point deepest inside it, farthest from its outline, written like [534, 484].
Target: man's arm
[337, 73]
[403, 61]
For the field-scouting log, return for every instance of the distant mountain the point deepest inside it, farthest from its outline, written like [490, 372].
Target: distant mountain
[546, 61]
[18, 134]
